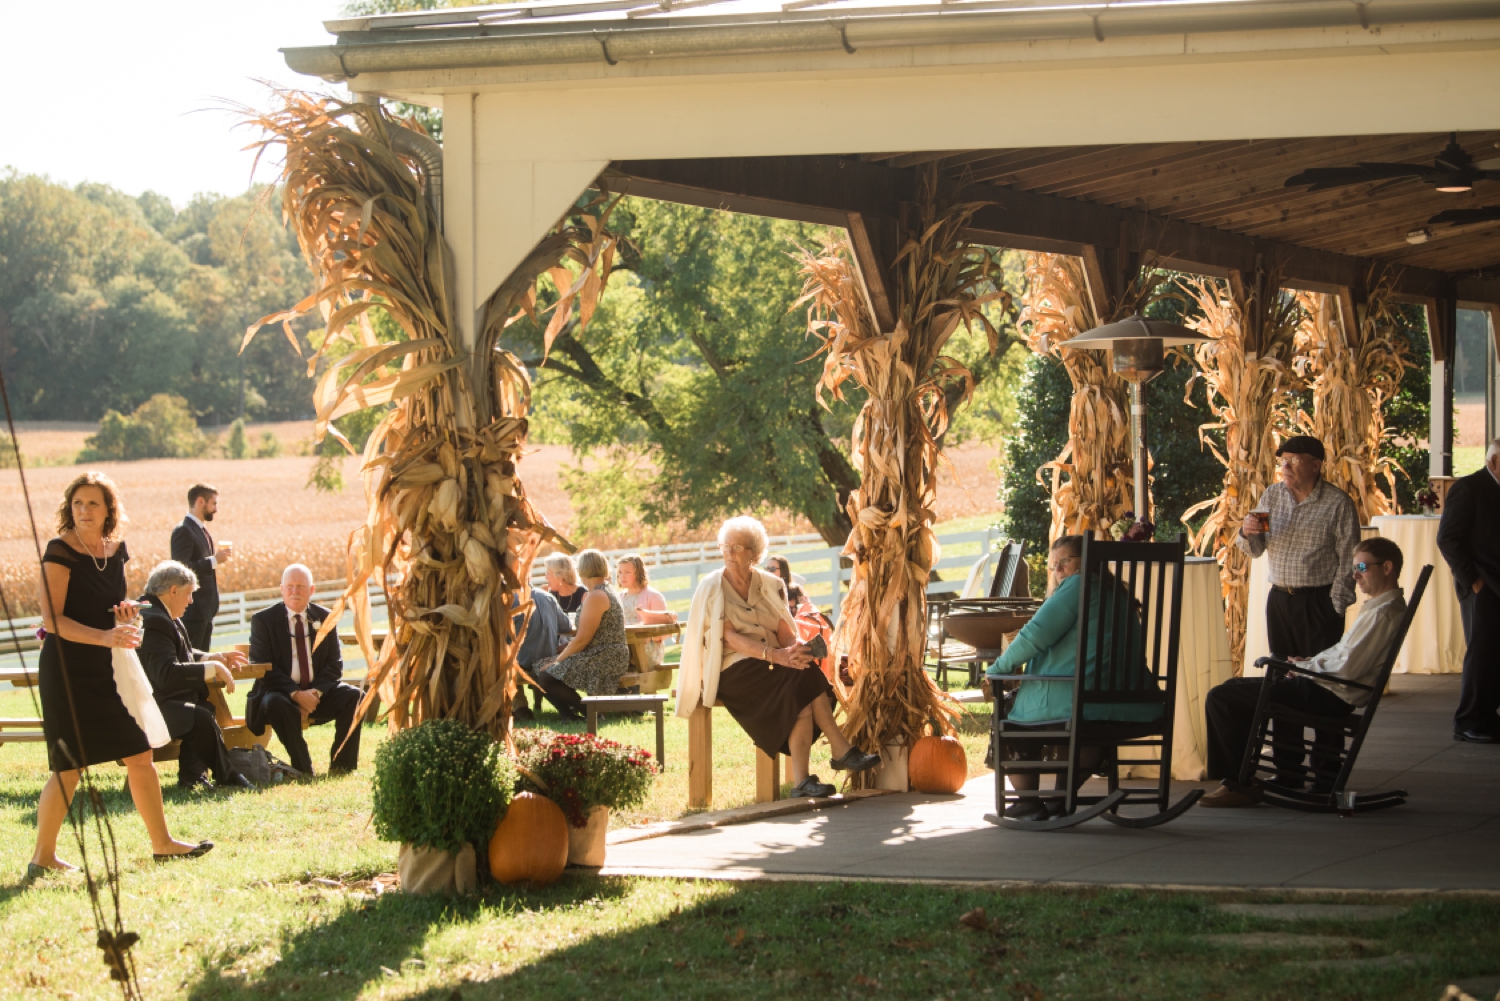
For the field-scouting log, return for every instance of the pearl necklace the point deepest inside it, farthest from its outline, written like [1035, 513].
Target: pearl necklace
[97, 566]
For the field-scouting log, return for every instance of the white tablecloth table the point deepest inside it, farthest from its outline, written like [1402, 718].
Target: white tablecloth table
[1256, 644]
[1202, 662]
[1435, 644]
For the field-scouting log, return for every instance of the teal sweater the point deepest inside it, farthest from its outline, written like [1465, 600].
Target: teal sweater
[1048, 645]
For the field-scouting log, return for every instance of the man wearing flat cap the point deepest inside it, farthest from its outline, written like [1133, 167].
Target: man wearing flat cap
[1307, 528]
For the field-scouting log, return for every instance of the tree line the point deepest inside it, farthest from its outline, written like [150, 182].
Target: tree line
[107, 300]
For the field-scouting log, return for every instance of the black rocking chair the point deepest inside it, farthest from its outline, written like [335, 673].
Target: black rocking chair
[1328, 759]
[1129, 612]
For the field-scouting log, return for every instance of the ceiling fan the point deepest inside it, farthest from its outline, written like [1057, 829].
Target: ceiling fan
[1466, 217]
[1453, 170]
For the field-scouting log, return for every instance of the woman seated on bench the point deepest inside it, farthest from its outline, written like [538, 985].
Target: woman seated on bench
[597, 655]
[1048, 645]
[740, 648]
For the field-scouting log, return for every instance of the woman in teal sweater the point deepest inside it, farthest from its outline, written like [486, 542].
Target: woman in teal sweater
[1048, 645]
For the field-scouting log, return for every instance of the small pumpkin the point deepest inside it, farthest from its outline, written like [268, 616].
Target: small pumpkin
[938, 764]
[530, 844]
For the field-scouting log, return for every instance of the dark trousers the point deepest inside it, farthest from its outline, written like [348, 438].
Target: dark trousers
[1302, 624]
[200, 632]
[202, 748]
[1230, 709]
[337, 706]
[1479, 695]
[564, 699]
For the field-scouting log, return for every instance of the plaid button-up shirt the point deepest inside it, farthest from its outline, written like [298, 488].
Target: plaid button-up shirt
[1310, 544]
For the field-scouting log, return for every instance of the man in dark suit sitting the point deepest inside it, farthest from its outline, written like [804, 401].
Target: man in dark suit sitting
[179, 679]
[193, 546]
[303, 682]
[1469, 538]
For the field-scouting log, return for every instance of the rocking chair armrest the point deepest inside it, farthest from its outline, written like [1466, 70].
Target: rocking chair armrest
[1272, 664]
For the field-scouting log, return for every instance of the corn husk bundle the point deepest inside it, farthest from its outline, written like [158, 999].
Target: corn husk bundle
[1250, 397]
[1093, 478]
[1354, 366]
[449, 532]
[942, 281]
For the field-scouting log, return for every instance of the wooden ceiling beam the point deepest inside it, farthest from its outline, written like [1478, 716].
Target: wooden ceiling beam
[825, 189]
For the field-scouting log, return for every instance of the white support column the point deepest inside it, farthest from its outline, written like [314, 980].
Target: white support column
[458, 208]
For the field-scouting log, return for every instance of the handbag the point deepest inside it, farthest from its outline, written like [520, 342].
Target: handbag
[257, 765]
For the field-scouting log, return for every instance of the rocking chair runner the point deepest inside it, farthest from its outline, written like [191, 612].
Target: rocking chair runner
[1328, 759]
[1129, 612]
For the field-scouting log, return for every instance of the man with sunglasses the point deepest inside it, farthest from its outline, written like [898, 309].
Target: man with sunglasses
[1307, 528]
[1230, 708]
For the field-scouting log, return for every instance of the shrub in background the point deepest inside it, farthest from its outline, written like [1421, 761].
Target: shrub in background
[161, 428]
[582, 771]
[235, 447]
[440, 785]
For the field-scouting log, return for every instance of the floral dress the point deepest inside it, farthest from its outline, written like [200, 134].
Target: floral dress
[596, 669]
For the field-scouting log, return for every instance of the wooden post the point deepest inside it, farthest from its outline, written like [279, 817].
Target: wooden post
[1442, 323]
[701, 758]
[767, 777]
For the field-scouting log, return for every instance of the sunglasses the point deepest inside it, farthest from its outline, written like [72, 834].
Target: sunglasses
[1364, 567]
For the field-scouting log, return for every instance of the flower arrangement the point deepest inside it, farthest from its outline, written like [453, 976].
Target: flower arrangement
[579, 771]
[1428, 500]
[440, 785]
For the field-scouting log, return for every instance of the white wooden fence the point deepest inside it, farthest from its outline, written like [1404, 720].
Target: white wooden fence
[674, 570]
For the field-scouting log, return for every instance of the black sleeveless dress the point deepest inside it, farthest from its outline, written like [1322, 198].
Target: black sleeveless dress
[106, 730]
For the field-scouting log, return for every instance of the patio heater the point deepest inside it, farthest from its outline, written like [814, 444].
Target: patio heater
[1136, 344]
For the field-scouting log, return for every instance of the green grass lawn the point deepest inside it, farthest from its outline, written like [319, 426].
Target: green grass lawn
[248, 920]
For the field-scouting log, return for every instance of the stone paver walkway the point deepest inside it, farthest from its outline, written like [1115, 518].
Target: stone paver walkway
[1444, 838]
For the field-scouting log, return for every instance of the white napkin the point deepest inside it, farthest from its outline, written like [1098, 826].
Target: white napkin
[135, 692]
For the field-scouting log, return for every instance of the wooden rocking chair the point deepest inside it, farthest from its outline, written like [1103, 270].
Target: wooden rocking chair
[1129, 613]
[1327, 760]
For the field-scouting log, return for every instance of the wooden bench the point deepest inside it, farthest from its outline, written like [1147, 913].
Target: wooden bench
[701, 764]
[595, 704]
[643, 674]
[236, 733]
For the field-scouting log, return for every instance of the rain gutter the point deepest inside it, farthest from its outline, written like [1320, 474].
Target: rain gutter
[612, 41]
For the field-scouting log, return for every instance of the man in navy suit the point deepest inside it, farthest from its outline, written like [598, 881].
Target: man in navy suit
[1469, 538]
[303, 682]
[193, 546]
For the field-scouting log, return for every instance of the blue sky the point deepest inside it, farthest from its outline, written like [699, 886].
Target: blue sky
[131, 93]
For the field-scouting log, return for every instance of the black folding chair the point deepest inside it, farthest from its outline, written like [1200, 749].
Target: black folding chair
[1129, 614]
[1326, 761]
[947, 654]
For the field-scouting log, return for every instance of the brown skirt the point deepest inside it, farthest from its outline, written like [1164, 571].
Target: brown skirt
[767, 700]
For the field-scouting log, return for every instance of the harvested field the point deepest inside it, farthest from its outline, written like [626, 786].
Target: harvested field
[266, 509]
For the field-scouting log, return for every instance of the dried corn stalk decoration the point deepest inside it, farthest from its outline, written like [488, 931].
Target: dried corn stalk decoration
[1354, 366]
[1092, 479]
[941, 281]
[449, 532]
[1250, 397]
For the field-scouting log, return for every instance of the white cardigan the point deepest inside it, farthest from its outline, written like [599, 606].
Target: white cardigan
[703, 641]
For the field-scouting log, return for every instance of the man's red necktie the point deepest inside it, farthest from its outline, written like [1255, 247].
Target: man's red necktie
[299, 646]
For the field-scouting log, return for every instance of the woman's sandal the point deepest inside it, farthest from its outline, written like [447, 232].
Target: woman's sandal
[204, 847]
[855, 760]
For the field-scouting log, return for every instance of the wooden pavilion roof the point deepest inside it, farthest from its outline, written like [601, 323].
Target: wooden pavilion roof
[1238, 186]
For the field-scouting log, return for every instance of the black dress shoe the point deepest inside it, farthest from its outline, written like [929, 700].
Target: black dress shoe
[234, 782]
[195, 782]
[1476, 737]
[204, 847]
[1026, 808]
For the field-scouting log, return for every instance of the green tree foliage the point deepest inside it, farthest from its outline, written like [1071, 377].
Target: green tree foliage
[1408, 417]
[161, 428]
[236, 447]
[106, 300]
[693, 379]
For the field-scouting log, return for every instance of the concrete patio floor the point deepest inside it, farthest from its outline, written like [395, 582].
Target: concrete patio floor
[1443, 839]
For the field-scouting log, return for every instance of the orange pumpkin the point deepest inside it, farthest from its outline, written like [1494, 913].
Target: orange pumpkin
[938, 764]
[530, 843]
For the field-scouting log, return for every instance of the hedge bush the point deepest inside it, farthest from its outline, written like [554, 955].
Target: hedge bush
[440, 785]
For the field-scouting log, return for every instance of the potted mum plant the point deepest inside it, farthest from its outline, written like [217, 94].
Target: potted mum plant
[439, 789]
[587, 776]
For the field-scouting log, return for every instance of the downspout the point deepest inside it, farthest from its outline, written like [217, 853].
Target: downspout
[409, 143]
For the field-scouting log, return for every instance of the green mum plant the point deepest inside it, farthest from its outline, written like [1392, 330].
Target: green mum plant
[440, 785]
[579, 771]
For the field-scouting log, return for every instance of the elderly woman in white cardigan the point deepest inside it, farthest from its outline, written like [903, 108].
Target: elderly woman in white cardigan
[741, 649]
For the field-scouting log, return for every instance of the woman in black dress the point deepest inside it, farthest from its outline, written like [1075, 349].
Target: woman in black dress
[85, 613]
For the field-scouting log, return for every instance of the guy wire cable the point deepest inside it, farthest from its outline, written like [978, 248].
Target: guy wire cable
[112, 938]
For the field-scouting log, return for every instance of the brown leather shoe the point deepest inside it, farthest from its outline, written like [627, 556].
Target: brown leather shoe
[1225, 798]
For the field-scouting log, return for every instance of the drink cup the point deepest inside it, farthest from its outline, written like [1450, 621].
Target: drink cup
[1264, 517]
[243, 648]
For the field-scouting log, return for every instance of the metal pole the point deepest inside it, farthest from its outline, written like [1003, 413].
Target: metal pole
[1138, 444]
